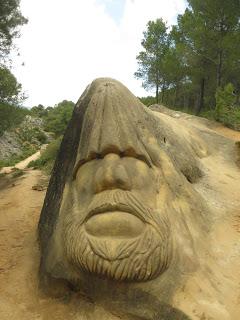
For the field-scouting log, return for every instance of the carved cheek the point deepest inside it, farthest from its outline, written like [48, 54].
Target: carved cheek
[142, 169]
[143, 176]
[84, 179]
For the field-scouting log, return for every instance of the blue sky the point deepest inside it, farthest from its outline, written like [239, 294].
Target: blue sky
[114, 8]
[69, 43]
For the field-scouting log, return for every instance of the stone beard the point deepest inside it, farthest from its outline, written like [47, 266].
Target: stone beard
[115, 232]
[141, 256]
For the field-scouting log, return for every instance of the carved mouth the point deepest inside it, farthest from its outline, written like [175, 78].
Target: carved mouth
[121, 207]
[115, 221]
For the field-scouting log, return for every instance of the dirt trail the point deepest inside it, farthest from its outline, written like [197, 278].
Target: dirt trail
[20, 207]
[22, 164]
[19, 213]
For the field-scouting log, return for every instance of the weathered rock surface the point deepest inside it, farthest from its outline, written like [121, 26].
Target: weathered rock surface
[9, 145]
[139, 212]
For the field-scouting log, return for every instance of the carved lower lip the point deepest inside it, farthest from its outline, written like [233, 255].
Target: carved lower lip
[114, 224]
[111, 208]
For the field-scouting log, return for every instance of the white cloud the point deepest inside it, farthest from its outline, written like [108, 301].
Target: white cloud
[67, 44]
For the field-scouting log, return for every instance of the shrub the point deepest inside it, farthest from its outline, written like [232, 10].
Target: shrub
[48, 156]
[58, 117]
[148, 100]
[41, 137]
[226, 111]
[33, 135]
[11, 116]
[224, 99]
[17, 173]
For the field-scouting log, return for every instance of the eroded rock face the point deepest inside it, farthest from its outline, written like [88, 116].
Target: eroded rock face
[122, 218]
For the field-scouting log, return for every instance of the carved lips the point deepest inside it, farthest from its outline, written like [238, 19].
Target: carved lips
[117, 221]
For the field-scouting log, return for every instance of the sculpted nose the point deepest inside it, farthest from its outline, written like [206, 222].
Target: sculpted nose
[111, 174]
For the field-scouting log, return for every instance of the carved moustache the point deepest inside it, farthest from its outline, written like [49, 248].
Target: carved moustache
[125, 201]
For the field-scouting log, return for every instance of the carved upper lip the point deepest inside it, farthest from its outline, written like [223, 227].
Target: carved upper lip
[106, 207]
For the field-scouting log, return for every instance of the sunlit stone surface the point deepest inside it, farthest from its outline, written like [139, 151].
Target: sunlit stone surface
[127, 220]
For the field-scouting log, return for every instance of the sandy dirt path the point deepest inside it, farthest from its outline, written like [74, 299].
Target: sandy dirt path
[227, 132]
[19, 213]
[22, 164]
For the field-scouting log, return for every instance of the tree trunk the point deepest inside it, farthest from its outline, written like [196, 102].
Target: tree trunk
[157, 95]
[185, 100]
[163, 92]
[238, 99]
[219, 68]
[201, 96]
[176, 96]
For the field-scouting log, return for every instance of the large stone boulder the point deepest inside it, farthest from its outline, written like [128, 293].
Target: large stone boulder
[135, 208]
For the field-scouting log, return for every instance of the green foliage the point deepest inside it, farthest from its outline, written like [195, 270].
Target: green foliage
[31, 135]
[25, 130]
[229, 116]
[11, 116]
[41, 136]
[10, 19]
[9, 87]
[39, 111]
[226, 111]
[148, 101]
[48, 156]
[224, 98]
[155, 44]
[58, 117]
[17, 173]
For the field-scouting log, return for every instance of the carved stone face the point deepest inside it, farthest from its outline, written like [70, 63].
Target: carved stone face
[112, 227]
[123, 201]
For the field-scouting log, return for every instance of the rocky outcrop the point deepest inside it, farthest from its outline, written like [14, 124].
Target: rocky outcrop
[9, 145]
[29, 133]
[141, 213]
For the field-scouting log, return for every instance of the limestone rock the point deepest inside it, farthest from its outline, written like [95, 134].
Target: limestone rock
[38, 187]
[135, 212]
[9, 145]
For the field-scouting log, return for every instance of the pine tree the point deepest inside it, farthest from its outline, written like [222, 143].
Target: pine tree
[150, 60]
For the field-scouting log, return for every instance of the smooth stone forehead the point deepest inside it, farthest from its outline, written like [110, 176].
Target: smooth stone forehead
[111, 122]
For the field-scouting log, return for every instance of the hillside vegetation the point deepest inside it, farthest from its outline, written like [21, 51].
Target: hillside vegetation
[22, 141]
[55, 121]
[29, 129]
